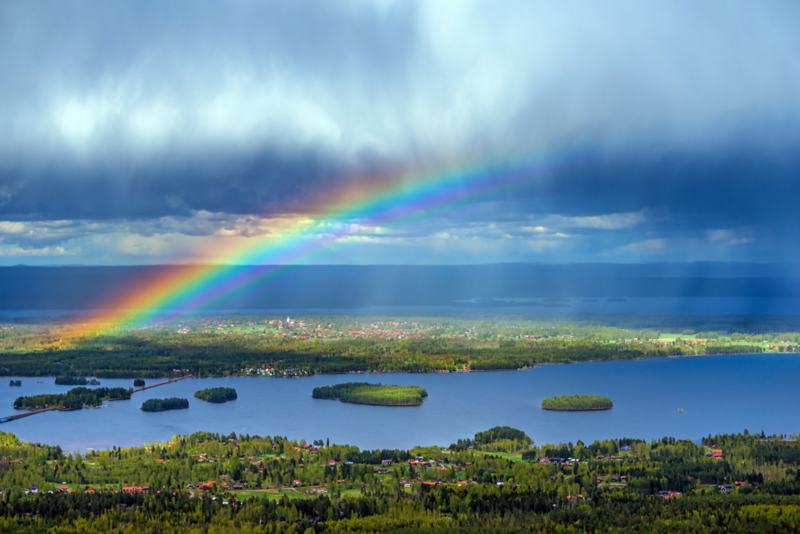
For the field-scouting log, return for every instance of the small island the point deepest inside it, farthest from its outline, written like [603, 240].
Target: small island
[378, 394]
[160, 405]
[76, 381]
[216, 395]
[74, 399]
[577, 403]
[15, 383]
[138, 383]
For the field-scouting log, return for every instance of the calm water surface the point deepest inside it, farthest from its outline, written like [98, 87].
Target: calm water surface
[718, 394]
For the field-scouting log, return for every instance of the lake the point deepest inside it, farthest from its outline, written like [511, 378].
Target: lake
[718, 393]
[704, 306]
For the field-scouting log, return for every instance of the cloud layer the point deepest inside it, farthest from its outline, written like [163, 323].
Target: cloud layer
[148, 132]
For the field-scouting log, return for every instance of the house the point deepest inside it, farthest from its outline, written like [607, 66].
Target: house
[462, 483]
[332, 462]
[386, 462]
[319, 490]
[296, 482]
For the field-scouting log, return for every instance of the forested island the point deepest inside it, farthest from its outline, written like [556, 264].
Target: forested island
[216, 395]
[365, 393]
[160, 405]
[75, 381]
[577, 403]
[138, 383]
[15, 383]
[74, 399]
[217, 483]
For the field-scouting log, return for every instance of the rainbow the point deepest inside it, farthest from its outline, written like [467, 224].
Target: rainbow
[387, 201]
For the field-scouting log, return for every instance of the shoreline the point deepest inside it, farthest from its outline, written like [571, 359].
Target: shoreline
[576, 409]
[439, 371]
[366, 403]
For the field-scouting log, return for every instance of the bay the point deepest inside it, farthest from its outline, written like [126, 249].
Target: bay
[718, 394]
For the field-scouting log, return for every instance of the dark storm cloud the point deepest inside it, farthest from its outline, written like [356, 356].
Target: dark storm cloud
[687, 115]
[262, 184]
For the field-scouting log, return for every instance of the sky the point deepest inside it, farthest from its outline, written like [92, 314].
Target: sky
[161, 132]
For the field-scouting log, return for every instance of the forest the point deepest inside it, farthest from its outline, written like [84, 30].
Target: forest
[271, 346]
[209, 482]
[496, 439]
[160, 405]
[167, 355]
[74, 399]
[366, 393]
[577, 403]
[216, 395]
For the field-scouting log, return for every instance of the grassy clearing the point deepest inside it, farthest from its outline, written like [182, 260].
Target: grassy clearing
[269, 494]
[672, 337]
[514, 457]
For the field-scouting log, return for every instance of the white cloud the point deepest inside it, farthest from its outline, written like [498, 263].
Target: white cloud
[612, 221]
[645, 247]
[12, 227]
[43, 251]
[730, 237]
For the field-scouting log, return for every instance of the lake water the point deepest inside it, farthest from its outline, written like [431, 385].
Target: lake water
[718, 393]
[632, 305]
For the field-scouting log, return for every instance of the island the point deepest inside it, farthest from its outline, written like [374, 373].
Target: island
[216, 395]
[138, 383]
[378, 394]
[15, 383]
[74, 399]
[76, 381]
[576, 403]
[160, 405]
